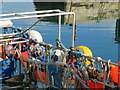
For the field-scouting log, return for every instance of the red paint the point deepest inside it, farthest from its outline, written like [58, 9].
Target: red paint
[94, 85]
[41, 76]
[24, 56]
[115, 73]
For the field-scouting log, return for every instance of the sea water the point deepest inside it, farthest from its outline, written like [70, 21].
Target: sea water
[98, 36]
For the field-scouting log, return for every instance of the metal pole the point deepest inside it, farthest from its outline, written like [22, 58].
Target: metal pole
[35, 16]
[19, 66]
[73, 31]
[94, 58]
[26, 13]
[2, 40]
[59, 28]
[15, 42]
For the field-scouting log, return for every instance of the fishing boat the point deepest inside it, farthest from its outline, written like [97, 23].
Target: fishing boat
[42, 65]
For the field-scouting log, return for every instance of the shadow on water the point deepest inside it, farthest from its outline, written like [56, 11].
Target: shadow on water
[50, 6]
[117, 36]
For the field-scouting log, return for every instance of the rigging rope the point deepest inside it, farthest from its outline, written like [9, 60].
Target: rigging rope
[5, 35]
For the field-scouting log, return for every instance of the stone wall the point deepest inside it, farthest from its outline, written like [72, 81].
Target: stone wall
[87, 11]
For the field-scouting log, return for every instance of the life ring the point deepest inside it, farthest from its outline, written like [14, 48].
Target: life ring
[86, 51]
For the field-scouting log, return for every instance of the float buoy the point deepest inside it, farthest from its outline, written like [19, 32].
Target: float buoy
[35, 35]
[86, 51]
[58, 55]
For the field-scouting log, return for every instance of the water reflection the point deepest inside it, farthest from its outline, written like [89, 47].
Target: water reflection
[95, 23]
[117, 36]
[97, 36]
[119, 52]
[50, 5]
[85, 11]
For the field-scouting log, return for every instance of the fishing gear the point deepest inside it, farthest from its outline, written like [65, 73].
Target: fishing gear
[56, 67]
